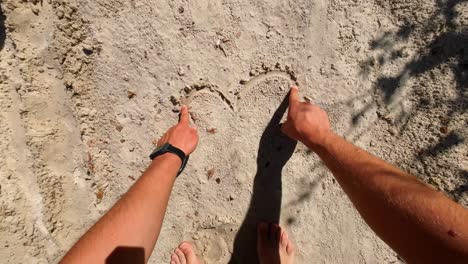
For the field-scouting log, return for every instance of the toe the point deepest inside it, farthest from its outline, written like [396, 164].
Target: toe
[290, 248]
[286, 248]
[189, 252]
[175, 259]
[285, 243]
[283, 238]
[274, 234]
[181, 256]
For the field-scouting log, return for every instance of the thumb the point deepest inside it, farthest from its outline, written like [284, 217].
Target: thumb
[285, 128]
[288, 129]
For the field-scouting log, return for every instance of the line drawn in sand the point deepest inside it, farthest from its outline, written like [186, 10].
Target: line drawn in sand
[258, 75]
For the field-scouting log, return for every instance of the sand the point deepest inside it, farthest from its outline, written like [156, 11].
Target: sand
[86, 86]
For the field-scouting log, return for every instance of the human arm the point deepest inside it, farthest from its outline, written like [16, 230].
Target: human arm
[136, 219]
[421, 224]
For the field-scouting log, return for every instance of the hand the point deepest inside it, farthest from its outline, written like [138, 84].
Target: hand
[182, 135]
[306, 122]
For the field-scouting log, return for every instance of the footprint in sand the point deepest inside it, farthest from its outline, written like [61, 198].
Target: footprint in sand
[213, 243]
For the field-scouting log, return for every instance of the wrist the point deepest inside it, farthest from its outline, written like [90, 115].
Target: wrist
[317, 143]
[169, 159]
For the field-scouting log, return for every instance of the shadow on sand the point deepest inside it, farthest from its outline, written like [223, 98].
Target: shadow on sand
[2, 27]
[275, 149]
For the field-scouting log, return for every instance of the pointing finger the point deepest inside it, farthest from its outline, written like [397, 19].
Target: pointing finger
[184, 115]
[285, 128]
[293, 96]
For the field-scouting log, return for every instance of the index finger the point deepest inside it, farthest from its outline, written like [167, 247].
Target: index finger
[293, 97]
[184, 115]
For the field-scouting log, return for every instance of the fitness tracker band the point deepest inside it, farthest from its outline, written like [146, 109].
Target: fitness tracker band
[171, 149]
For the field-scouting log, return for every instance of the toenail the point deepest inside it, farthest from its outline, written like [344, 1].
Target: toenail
[184, 245]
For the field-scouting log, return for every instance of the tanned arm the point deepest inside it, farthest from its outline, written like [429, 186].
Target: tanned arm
[421, 224]
[136, 219]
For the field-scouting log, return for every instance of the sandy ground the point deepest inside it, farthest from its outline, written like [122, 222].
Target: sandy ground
[86, 86]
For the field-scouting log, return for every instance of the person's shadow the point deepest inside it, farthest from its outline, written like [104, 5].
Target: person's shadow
[274, 151]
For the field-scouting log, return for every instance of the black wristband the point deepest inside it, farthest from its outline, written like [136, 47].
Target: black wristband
[171, 149]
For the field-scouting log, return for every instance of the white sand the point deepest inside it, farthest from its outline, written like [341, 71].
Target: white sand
[86, 86]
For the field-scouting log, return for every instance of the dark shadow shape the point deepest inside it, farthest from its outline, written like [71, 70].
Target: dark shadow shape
[460, 190]
[388, 40]
[388, 87]
[127, 255]
[385, 42]
[357, 116]
[275, 149]
[451, 140]
[405, 31]
[447, 8]
[450, 46]
[2, 27]
[305, 196]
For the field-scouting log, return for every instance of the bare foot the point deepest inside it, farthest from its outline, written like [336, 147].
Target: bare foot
[184, 254]
[273, 245]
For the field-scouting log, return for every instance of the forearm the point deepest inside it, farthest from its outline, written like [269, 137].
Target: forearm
[388, 198]
[126, 224]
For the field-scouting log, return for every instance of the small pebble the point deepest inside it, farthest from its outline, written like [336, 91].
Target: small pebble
[181, 71]
[130, 94]
[212, 130]
[243, 81]
[99, 195]
[210, 173]
[174, 100]
[60, 14]
[87, 50]
[444, 130]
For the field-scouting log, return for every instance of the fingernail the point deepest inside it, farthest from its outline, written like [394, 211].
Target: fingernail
[183, 106]
[294, 87]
